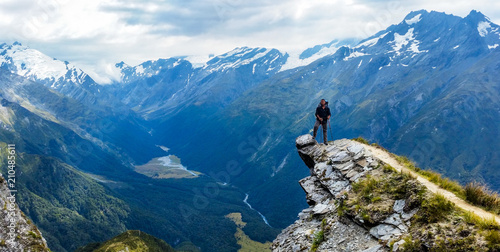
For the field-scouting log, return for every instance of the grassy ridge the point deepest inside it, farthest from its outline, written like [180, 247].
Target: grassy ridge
[475, 193]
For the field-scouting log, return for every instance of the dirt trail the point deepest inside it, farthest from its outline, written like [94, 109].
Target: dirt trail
[387, 158]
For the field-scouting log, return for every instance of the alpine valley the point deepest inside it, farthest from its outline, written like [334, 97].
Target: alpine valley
[174, 147]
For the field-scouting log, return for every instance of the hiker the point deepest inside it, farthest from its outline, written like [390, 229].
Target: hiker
[322, 116]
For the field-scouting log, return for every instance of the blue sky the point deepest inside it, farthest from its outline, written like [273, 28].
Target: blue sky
[95, 34]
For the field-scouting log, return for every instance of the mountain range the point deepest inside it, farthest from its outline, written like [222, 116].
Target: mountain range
[425, 88]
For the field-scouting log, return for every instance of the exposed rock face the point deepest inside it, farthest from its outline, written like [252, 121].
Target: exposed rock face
[17, 233]
[334, 169]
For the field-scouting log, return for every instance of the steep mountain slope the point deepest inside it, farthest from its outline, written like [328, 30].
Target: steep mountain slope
[17, 232]
[65, 203]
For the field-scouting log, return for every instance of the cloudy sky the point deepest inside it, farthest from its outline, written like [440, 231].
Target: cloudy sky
[95, 34]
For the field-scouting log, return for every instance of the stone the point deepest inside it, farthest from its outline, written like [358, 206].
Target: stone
[356, 177]
[320, 169]
[356, 149]
[399, 206]
[315, 193]
[394, 219]
[407, 216]
[374, 249]
[385, 232]
[344, 166]
[362, 162]
[321, 209]
[351, 173]
[304, 140]
[341, 157]
[396, 245]
[337, 187]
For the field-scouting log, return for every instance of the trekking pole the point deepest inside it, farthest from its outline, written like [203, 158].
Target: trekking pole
[331, 132]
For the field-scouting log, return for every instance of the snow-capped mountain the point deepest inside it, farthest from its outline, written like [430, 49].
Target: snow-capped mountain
[316, 52]
[55, 74]
[154, 87]
[262, 60]
[423, 35]
[146, 69]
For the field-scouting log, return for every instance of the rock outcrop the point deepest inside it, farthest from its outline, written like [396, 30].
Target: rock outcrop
[17, 232]
[358, 203]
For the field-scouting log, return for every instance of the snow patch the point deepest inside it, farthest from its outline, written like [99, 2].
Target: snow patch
[198, 61]
[413, 20]
[294, 60]
[139, 70]
[371, 42]
[354, 55]
[492, 46]
[238, 52]
[402, 40]
[482, 28]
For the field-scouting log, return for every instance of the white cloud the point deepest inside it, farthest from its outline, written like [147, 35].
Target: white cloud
[96, 33]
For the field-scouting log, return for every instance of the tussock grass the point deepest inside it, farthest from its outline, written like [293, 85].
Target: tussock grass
[434, 177]
[361, 140]
[435, 208]
[366, 187]
[319, 237]
[481, 223]
[480, 195]
[493, 239]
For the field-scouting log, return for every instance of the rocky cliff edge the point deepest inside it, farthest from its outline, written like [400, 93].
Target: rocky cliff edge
[359, 203]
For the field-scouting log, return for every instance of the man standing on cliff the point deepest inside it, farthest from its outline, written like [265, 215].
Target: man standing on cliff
[322, 116]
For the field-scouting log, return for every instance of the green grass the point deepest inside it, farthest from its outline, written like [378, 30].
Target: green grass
[319, 237]
[474, 193]
[493, 239]
[411, 244]
[481, 223]
[361, 140]
[435, 208]
[366, 187]
[34, 235]
[480, 195]
[434, 177]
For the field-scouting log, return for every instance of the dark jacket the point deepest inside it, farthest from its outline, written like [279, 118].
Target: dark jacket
[323, 113]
